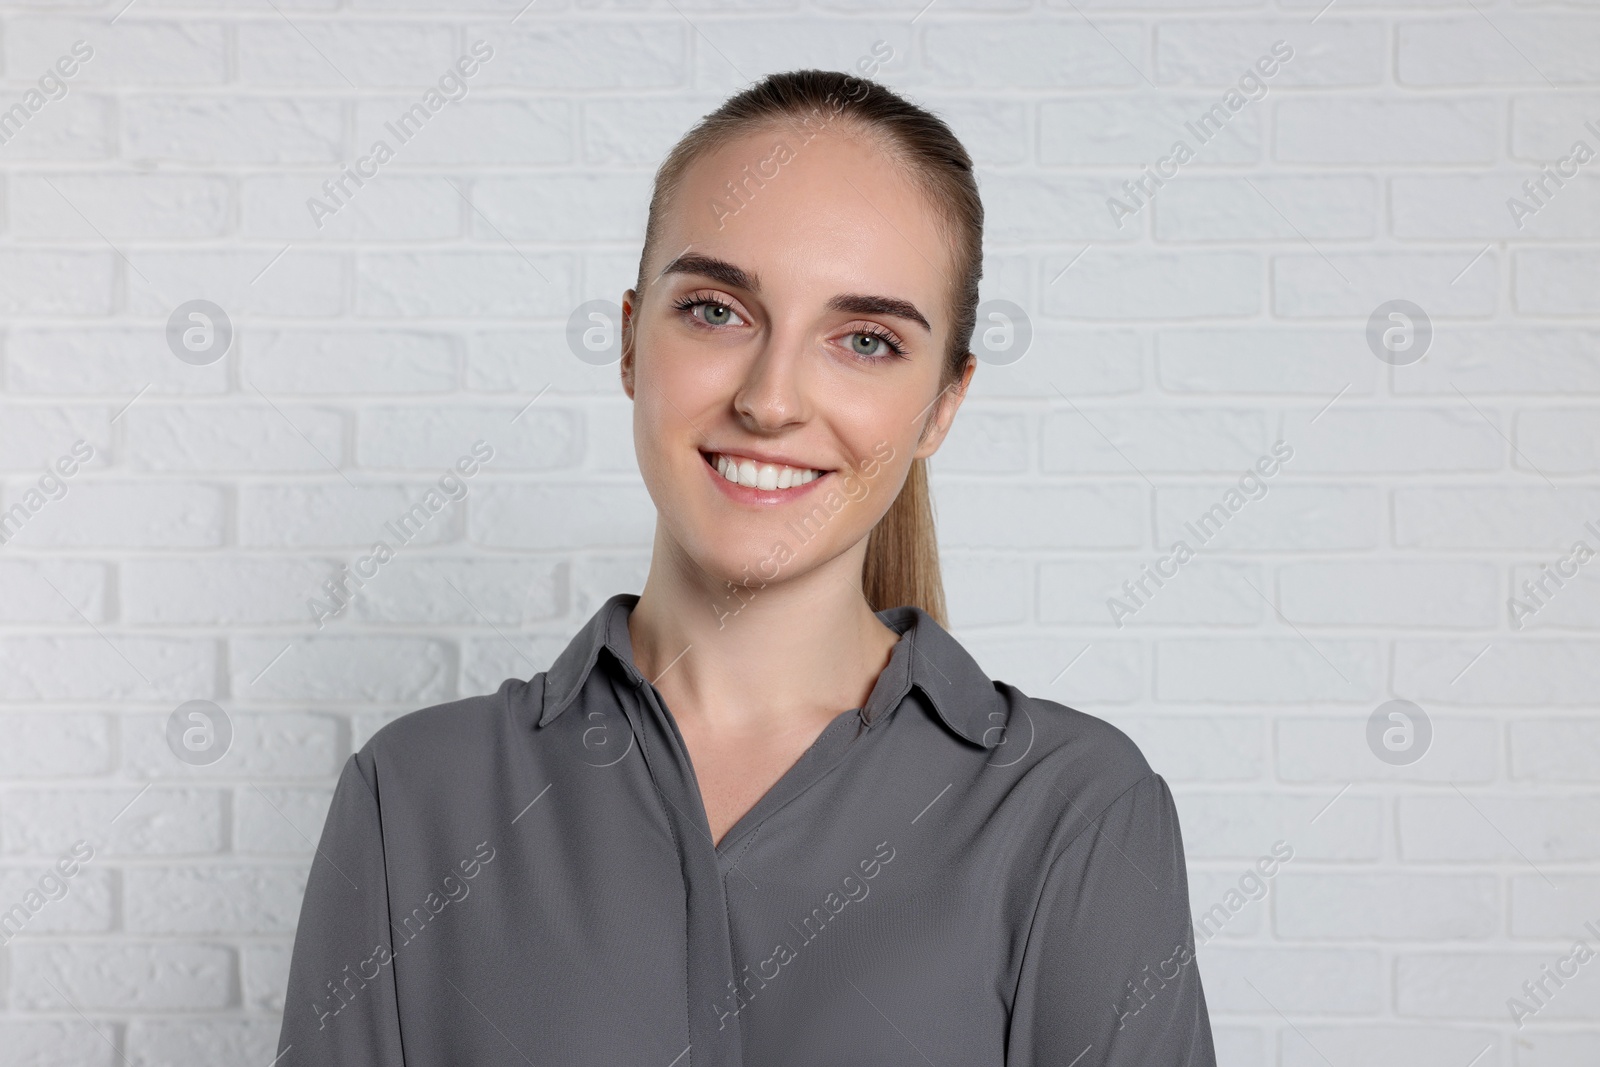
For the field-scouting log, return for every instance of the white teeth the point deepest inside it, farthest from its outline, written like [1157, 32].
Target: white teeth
[764, 476]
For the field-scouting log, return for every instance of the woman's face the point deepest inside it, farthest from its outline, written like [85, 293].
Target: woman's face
[797, 333]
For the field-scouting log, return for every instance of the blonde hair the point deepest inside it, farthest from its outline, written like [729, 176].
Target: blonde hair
[902, 564]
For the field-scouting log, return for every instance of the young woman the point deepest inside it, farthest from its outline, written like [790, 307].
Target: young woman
[768, 812]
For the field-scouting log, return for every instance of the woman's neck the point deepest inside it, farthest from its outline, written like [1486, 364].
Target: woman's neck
[752, 659]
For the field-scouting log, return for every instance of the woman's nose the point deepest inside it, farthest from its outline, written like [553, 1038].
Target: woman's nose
[773, 394]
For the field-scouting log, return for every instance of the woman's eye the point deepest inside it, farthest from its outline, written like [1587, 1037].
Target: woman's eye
[715, 314]
[871, 346]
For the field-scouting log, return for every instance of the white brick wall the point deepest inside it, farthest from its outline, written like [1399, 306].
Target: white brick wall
[1229, 313]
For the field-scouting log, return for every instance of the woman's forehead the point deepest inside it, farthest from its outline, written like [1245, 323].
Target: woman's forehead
[836, 209]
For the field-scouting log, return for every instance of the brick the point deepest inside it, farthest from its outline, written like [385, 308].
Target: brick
[1346, 438]
[986, 590]
[1209, 748]
[466, 591]
[1546, 122]
[482, 284]
[205, 1041]
[1137, 130]
[1259, 359]
[1553, 906]
[434, 436]
[1492, 207]
[1287, 518]
[77, 905]
[1552, 281]
[1553, 749]
[371, 54]
[53, 590]
[1557, 440]
[76, 127]
[261, 436]
[1477, 826]
[136, 52]
[1303, 981]
[170, 515]
[111, 361]
[560, 207]
[1244, 825]
[1549, 1048]
[1396, 1044]
[1345, 129]
[1331, 52]
[279, 745]
[561, 56]
[1549, 606]
[1153, 285]
[232, 129]
[1422, 592]
[1327, 749]
[224, 590]
[299, 284]
[112, 667]
[306, 515]
[996, 133]
[1517, 671]
[390, 207]
[595, 515]
[1498, 359]
[276, 821]
[1517, 48]
[331, 666]
[608, 446]
[1209, 890]
[638, 130]
[1203, 593]
[1267, 670]
[57, 1043]
[1354, 284]
[525, 362]
[1491, 516]
[42, 282]
[475, 130]
[368, 362]
[54, 744]
[1059, 668]
[253, 899]
[1064, 360]
[264, 972]
[1410, 907]
[1032, 54]
[125, 821]
[1056, 517]
[1476, 985]
[1282, 208]
[127, 976]
[1129, 440]
[73, 207]
[35, 436]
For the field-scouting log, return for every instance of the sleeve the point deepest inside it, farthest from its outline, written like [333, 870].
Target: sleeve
[1108, 976]
[340, 1007]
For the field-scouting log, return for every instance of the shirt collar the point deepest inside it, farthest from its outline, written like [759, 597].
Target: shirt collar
[927, 657]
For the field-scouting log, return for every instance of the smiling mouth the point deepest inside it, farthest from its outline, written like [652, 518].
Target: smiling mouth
[754, 475]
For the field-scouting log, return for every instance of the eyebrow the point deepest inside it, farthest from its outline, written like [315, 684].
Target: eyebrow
[736, 277]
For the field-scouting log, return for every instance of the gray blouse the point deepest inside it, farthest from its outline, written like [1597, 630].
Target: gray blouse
[954, 874]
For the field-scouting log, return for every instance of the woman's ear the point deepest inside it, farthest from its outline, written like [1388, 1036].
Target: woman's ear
[628, 309]
[944, 410]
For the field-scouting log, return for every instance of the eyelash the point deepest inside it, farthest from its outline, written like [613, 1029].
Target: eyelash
[694, 300]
